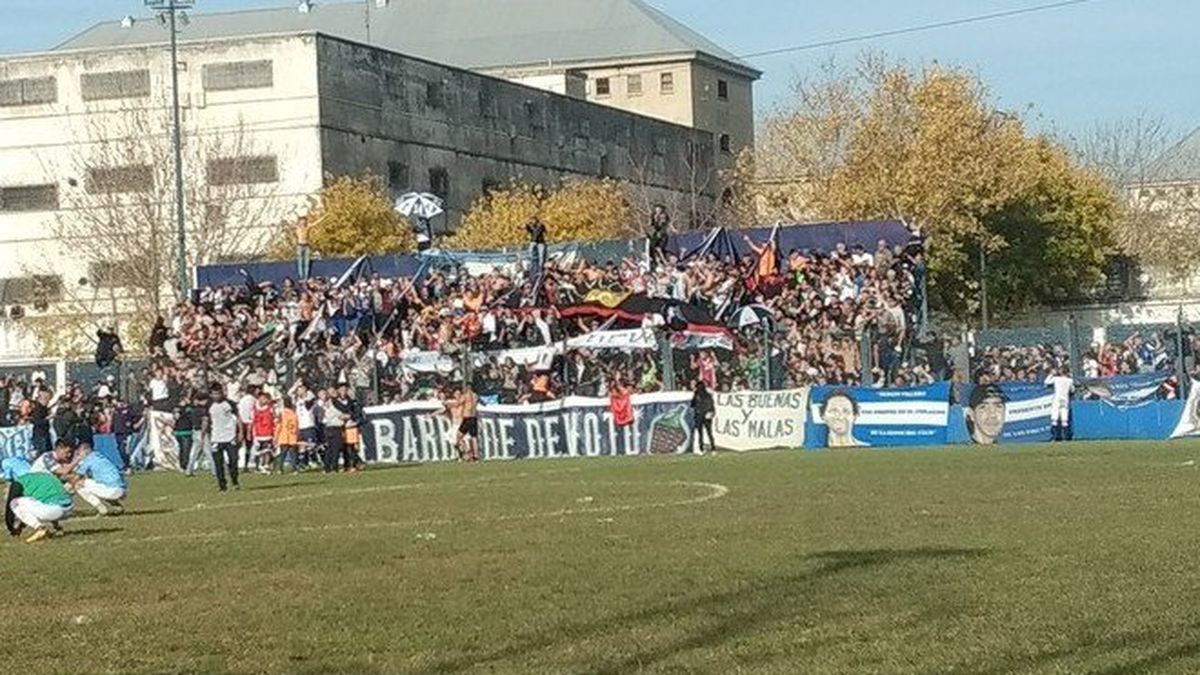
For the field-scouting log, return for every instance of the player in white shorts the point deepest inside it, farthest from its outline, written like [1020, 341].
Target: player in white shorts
[1060, 403]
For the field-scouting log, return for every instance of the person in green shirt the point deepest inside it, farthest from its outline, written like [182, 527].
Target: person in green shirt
[37, 500]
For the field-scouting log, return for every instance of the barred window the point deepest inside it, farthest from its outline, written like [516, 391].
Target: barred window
[39, 289]
[28, 198]
[243, 170]
[115, 84]
[238, 75]
[114, 273]
[28, 91]
[633, 85]
[120, 179]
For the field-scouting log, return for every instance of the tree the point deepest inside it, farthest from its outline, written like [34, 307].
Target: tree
[578, 210]
[117, 222]
[1158, 178]
[927, 146]
[352, 216]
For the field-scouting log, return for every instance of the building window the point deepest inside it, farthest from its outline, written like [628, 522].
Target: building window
[28, 198]
[723, 90]
[666, 83]
[434, 94]
[113, 274]
[28, 91]
[439, 183]
[120, 179]
[238, 75]
[398, 178]
[115, 84]
[38, 290]
[603, 86]
[634, 85]
[243, 170]
[726, 144]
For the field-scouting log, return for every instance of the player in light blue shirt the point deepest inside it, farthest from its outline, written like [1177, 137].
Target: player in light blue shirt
[103, 486]
[12, 468]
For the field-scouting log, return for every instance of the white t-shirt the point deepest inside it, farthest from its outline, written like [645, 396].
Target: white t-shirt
[223, 427]
[1062, 387]
[245, 409]
[304, 416]
[158, 390]
[45, 463]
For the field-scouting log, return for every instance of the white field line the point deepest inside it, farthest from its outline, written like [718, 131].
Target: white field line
[712, 491]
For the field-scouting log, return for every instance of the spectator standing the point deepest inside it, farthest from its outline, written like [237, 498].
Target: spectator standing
[703, 412]
[537, 244]
[303, 251]
[333, 419]
[660, 225]
[223, 431]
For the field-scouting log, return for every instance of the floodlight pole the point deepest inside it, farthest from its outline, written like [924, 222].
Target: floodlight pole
[169, 9]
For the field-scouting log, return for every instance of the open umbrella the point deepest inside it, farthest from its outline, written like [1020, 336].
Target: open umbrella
[420, 205]
[752, 315]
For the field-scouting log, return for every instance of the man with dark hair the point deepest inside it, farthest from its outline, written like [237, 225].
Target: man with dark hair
[985, 414]
[839, 411]
[223, 430]
[537, 243]
[660, 224]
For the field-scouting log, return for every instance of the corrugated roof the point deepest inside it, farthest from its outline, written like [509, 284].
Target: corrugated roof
[475, 34]
[1180, 163]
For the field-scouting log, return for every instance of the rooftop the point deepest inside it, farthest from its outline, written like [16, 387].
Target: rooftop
[472, 34]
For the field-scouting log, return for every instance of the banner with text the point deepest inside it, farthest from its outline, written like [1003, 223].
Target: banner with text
[760, 420]
[573, 427]
[1189, 421]
[16, 441]
[1009, 412]
[860, 417]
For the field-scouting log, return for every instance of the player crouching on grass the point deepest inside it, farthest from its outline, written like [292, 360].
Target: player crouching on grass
[99, 482]
[38, 500]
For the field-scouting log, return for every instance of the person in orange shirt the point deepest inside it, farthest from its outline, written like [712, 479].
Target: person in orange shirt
[287, 434]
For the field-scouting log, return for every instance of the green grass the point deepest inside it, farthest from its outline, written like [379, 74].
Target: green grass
[1069, 559]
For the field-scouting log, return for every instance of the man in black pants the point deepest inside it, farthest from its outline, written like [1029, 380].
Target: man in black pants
[334, 419]
[224, 435]
[703, 412]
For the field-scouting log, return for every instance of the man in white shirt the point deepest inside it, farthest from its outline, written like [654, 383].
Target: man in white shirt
[221, 425]
[245, 416]
[1060, 403]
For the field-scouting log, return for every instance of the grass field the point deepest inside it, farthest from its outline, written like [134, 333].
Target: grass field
[1074, 559]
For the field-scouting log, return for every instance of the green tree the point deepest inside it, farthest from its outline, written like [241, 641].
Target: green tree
[927, 146]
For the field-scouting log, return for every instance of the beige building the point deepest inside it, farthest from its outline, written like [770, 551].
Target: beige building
[621, 53]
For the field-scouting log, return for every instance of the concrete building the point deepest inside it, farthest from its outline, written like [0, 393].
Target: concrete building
[272, 102]
[620, 53]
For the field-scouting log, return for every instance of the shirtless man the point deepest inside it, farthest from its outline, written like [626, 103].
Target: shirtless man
[465, 409]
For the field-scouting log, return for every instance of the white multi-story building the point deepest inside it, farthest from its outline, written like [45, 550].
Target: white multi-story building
[272, 101]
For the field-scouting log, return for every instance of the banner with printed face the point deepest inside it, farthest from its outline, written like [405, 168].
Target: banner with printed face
[1189, 421]
[16, 441]
[760, 420]
[164, 447]
[1009, 412]
[860, 417]
[421, 431]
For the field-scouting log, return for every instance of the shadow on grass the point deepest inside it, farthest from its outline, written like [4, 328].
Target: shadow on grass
[281, 486]
[145, 512]
[738, 611]
[1153, 655]
[91, 532]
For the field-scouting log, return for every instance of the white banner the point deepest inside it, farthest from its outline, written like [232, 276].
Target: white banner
[761, 420]
[637, 338]
[1189, 421]
[538, 358]
[163, 444]
[427, 362]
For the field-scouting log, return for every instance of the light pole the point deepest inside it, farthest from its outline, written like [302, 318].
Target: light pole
[168, 12]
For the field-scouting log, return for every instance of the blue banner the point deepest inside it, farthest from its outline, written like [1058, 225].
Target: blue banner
[1009, 412]
[16, 442]
[861, 417]
[1124, 391]
[572, 427]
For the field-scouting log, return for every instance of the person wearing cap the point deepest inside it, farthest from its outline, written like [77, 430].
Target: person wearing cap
[37, 500]
[100, 483]
[986, 414]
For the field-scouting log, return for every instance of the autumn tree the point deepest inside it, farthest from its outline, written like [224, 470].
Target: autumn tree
[577, 210]
[927, 146]
[350, 217]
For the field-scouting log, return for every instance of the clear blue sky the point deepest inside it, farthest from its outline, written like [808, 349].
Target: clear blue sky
[1076, 66]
